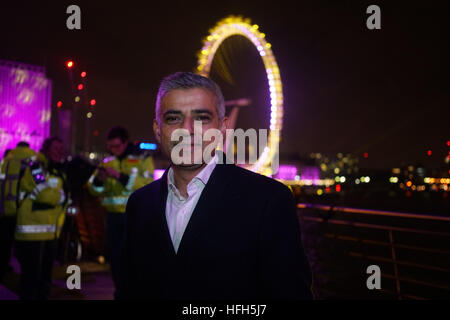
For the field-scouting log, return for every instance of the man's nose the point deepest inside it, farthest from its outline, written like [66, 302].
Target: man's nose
[188, 124]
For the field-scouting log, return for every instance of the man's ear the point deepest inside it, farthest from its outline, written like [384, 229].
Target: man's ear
[156, 130]
[224, 125]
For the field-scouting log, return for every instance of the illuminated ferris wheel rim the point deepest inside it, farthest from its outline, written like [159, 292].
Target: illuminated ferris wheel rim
[231, 26]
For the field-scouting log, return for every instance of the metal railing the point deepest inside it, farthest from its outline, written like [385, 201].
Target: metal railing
[414, 248]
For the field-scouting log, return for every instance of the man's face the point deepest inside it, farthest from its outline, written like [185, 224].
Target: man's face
[179, 109]
[116, 147]
[56, 151]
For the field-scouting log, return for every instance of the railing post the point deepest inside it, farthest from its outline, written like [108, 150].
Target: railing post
[394, 259]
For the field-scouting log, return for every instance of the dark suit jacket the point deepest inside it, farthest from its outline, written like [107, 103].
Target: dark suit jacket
[242, 242]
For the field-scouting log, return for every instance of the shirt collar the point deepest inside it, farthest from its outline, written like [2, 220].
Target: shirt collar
[202, 176]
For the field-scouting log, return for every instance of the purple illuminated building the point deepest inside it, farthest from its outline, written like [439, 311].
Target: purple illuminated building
[290, 172]
[286, 172]
[25, 101]
[310, 173]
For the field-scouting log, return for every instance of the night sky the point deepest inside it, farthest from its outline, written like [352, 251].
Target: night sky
[347, 88]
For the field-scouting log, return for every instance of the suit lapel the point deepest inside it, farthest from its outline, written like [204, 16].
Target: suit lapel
[162, 221]
[206, 207]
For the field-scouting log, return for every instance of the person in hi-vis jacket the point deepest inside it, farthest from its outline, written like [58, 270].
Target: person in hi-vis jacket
[44, 198]
[114, 180]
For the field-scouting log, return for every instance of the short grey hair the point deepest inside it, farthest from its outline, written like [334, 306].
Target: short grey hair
[189, 80]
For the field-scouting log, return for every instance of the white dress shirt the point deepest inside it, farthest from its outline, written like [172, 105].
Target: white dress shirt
[178, 208]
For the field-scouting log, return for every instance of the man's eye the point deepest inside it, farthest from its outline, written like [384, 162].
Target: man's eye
[203, 118]
[172, 119]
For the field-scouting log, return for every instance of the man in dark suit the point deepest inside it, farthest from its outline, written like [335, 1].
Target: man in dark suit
[209, 230]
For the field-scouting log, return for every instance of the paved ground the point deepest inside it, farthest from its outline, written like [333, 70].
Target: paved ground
[96, 283]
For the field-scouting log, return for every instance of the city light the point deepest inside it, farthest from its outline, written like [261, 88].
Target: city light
[365, 179]
[366, 155]
[393, 179]
[429, 180]
[147, 146]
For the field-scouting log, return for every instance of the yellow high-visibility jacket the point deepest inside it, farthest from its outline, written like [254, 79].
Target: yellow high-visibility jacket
[41, 213]
[139, 170]
[12, 170]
